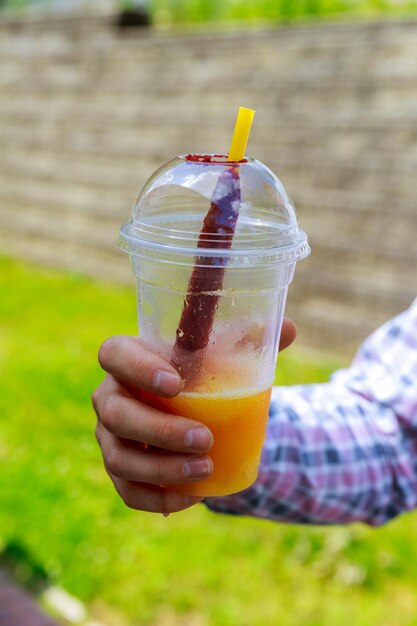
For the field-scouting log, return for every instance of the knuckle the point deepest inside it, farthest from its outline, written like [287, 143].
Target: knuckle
[107, 351]
[163, 432]
[140, 364]
[110, 414]
[114, 461]
[95, 398]
[160, 472]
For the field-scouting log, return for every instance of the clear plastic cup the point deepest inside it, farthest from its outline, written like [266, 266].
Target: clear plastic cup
[213, 304]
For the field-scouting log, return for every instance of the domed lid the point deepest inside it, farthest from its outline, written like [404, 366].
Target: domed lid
[168, 215]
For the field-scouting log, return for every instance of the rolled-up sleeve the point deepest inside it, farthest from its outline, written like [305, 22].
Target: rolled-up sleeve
[345, 450]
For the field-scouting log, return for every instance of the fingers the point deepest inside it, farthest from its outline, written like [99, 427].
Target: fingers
[127, 359]
[126, 427]
[130, 464]
[152, 499]
[126, 417]
[135, 463]
[288, 333]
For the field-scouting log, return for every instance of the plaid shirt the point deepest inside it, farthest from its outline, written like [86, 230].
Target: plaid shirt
[345, 450]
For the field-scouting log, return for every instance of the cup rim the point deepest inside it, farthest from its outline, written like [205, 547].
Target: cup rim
[130, 242]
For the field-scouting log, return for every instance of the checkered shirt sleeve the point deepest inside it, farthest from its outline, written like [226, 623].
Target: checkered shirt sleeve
[345, 450]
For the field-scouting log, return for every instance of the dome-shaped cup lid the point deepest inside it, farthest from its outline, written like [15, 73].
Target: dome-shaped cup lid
[168, 214]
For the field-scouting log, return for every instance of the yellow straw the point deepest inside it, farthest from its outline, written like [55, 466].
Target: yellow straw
[241, 134]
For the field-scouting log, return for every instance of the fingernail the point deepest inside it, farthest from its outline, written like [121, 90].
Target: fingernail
[198, 439]
[197, 468]
[166, 382]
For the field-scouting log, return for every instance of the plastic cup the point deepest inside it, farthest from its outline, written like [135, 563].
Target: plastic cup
[228, 381]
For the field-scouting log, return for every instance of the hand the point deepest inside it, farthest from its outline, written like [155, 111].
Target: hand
[144, 448]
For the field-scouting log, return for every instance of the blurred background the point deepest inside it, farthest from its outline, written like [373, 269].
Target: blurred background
[94, 96]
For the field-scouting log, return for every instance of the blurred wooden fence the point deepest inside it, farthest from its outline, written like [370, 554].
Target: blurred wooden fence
[86, 114]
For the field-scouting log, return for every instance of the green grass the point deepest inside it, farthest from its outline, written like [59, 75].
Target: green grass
[223, 11]
[61, 519]
[171, 12]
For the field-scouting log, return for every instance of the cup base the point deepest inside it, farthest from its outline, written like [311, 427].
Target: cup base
[204, 489]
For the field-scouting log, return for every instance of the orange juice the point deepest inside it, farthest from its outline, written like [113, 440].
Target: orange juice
[238, 421]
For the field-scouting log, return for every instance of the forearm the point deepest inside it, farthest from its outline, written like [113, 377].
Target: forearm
[331, 457]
